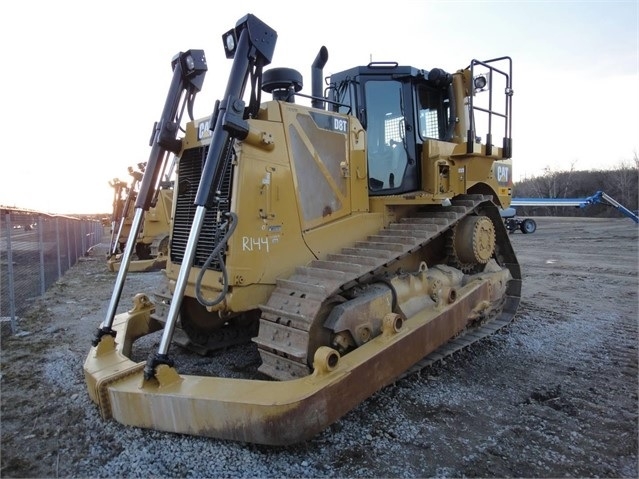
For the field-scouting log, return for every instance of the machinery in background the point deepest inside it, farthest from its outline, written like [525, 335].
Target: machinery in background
[120, 192]
[123, 198]
[514, 223]
[529, 226]
[152, 242]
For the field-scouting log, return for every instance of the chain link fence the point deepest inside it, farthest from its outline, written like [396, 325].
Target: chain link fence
[35, 251]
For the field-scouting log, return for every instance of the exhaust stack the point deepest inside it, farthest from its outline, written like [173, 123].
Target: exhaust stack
[317, 73]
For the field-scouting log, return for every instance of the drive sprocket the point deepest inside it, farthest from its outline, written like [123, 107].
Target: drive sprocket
[472, 243]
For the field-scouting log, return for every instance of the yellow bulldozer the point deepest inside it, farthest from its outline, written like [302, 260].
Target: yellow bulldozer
[119, 225]
[349, 233]
[152, 242]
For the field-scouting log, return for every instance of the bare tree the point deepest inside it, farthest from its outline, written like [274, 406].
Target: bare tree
[625, 181]
[621, 183]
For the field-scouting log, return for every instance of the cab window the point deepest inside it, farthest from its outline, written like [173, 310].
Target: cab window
[385, 133]
[432, 113]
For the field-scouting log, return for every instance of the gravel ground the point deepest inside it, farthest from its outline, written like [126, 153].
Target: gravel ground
[552, 395]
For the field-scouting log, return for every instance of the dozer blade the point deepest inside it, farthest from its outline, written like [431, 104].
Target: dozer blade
[268, 412]
[139, 266]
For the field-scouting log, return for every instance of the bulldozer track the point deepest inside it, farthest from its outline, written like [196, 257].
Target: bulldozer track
[459, 343]
[289, 315]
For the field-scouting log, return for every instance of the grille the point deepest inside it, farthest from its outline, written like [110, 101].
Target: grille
[188, 180]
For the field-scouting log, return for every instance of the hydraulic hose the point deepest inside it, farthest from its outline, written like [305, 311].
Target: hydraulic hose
[217, 252]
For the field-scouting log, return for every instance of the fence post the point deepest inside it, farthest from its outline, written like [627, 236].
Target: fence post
[1, 277]
[12, 295]
[75, 242]
[83, 237]
[57, 244]
[43, 286]
[66, 227]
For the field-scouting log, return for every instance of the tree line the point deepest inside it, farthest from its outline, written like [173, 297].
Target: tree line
[620, 183]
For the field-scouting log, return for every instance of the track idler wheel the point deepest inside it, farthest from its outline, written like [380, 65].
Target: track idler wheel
[473, 243]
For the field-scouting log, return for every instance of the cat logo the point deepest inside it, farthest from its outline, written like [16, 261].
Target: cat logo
[502, 173]
[203, 129]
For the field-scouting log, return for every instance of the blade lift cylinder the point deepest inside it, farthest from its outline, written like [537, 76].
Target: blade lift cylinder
[189, 69]
[250, 44]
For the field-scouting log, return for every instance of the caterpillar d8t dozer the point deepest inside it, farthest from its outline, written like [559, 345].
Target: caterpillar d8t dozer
[152, 242]
[123, 198]
[352, 236]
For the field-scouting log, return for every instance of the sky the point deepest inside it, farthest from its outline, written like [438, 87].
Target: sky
[83, 82]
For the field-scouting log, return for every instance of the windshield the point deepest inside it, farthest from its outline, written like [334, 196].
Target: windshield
[385, 129]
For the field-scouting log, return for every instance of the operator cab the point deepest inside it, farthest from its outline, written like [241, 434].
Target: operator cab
[400, 107]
